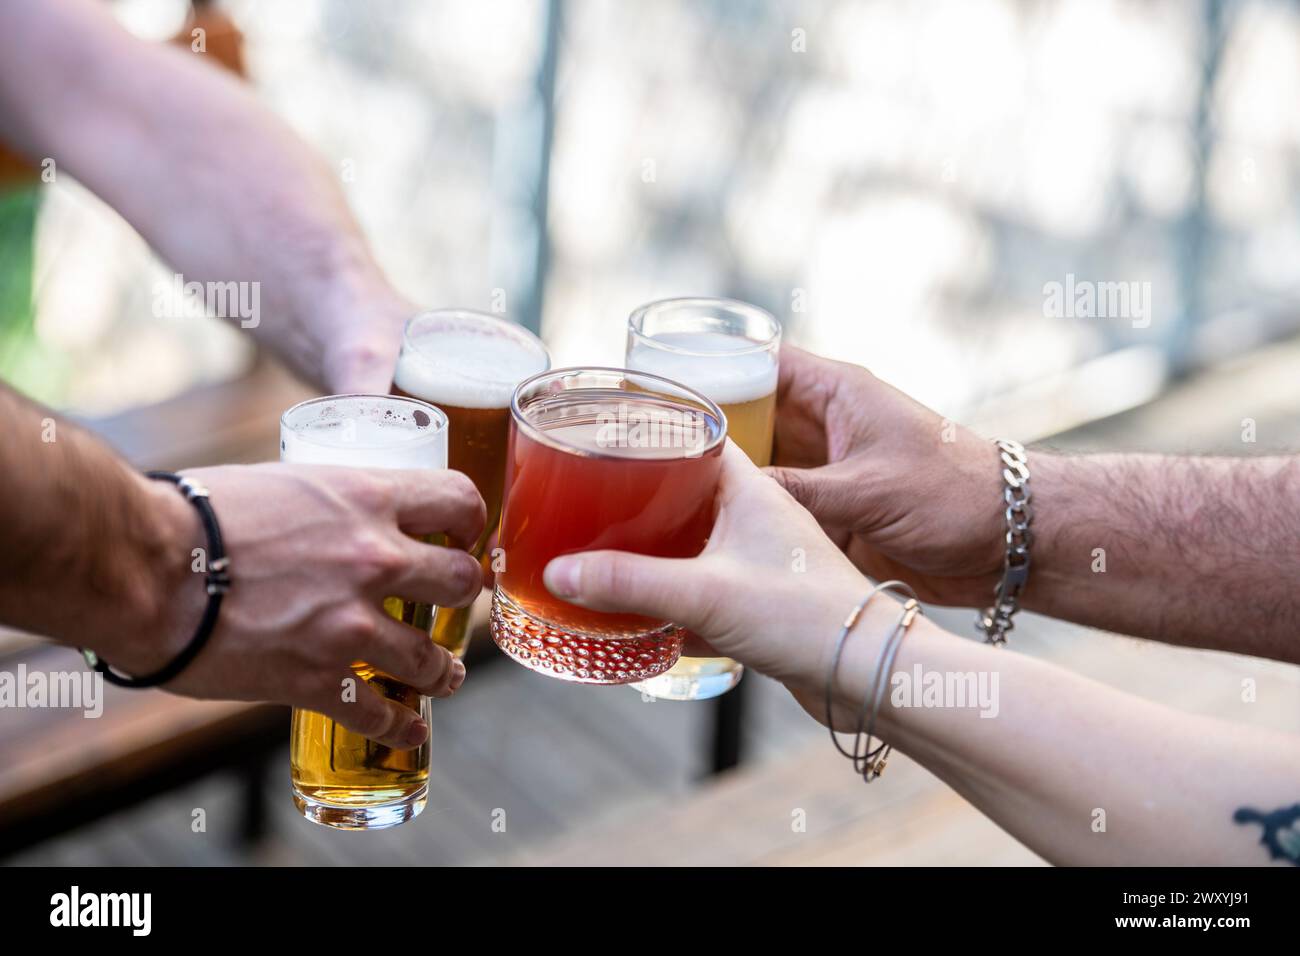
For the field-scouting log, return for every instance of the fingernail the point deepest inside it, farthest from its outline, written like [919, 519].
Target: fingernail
[458, 669]
[561, 577]
[417, 733]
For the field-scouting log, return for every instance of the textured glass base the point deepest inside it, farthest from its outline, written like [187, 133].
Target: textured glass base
[581, 657]
[377, 817]
[694, 678]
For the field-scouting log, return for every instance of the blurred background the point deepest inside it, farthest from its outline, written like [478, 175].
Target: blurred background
[900, 183]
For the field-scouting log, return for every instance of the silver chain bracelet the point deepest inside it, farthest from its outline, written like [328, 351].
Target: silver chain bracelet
[996, 621]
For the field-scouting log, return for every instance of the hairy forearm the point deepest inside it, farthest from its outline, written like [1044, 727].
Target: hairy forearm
[218, 185]
[1082, 773]
[95, 555]
[1197, 551]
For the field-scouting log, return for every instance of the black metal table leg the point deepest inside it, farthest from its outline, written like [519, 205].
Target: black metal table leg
[728, 716]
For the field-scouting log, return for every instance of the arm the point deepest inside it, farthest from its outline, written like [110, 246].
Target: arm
[1054, 748]
[219, 186]
[97, 556]
[1197, 551]
[1062, 751]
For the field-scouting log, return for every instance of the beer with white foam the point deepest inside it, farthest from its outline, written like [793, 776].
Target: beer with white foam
[340, 778]
[727, 351]
[468, 364]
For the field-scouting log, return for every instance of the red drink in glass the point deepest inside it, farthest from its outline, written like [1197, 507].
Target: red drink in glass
[600, 459]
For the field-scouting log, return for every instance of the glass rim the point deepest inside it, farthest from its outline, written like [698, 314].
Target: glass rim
[512, 328]
[637, 318]
[438, 416]
[537, 434]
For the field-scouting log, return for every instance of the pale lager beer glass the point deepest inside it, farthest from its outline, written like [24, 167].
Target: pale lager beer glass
[727, 351]
[339, 778]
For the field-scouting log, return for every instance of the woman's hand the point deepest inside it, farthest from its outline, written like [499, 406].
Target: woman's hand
[769, 589]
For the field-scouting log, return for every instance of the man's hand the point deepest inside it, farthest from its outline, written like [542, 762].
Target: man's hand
[219, 186]
[314, 551]
[98, 556]
[905, 493]
[360, 335]
[1198, 551]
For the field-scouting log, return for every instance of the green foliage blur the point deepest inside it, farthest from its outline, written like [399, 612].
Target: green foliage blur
[25, 363]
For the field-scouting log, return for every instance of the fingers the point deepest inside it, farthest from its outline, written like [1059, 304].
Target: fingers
[669, 588]
[799, 367]
[408, 654]
[834, 494]
[795, 364]
[436, 502]
[457, 677]
[435, 575]
[378, 719]
[738, 473]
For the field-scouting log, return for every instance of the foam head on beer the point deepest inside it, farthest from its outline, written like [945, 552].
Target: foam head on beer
[468, 364]
[467, 359]
[727, 369]
[363, 431]
[736, 372]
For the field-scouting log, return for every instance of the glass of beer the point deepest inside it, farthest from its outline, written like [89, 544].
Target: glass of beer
[468, 364]
[340, 778]
[600, 458]
[726, 350]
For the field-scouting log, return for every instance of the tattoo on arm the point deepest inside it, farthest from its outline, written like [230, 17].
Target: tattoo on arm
[1281, 831]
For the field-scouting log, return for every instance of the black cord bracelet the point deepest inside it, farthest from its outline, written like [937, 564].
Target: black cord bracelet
[217, 580]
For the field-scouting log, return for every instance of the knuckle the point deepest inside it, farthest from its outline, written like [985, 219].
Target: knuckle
[325, 685]
[465, 496]
[334, 646]
[373, 721]
[372, 492]
[434, 661]
[354, 626]
[611, 574]
[459, 485]
[376, 556]
[424, 657]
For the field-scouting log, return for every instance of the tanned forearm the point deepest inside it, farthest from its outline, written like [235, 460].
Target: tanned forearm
[94, 554]
[219, 186]
[1197, 551]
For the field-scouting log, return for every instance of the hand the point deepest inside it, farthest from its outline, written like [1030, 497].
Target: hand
[314, 550]
[769, 589]
[903, 492]
[360, 338]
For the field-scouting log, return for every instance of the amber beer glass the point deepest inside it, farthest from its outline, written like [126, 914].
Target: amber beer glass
[726, 350]
[339, 778]
[468, 364]
[600, 458]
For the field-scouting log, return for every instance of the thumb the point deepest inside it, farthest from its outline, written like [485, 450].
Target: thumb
[670, 588]
[835, 494]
